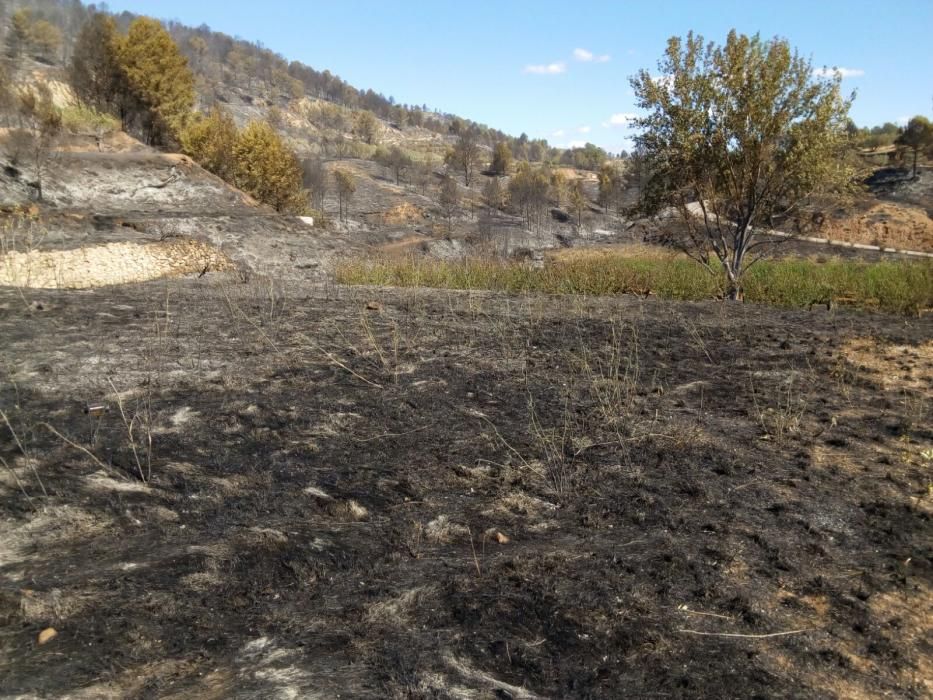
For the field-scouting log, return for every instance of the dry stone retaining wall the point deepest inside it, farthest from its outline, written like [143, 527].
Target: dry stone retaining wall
[113, 263]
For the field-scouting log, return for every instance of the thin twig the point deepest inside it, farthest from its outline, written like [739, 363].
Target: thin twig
[746, 636]
[685, 609]
[394, 435]
[22, 449]
[16, 479]
[129, 430]
[475, 560]
[84, 450]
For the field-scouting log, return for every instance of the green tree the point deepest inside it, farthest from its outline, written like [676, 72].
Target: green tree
[45, 39]
[917, 136]
[558, 187]
[158, 76]
[501, 159]
[265, 168]
[735, 135]
[466, 154]
[395, 159]
[494, 194]
[611, 186]
[8, 99]
[578, 199]
[366, 126]
[528, 193]
[94, 71]
[17, 39]
[212, 141]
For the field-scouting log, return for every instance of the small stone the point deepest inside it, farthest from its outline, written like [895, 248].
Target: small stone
[47, 635]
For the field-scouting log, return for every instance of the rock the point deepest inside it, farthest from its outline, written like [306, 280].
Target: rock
[373, 306]
[47, 635]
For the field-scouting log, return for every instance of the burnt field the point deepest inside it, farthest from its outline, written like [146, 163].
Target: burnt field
[314, 491]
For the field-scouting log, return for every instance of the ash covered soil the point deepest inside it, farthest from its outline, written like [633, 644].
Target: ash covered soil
[419, 494]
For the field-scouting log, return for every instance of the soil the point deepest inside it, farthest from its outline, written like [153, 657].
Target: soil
[885, 224]
[372, 493]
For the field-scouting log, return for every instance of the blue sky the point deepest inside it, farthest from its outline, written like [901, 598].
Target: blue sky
[559, 70]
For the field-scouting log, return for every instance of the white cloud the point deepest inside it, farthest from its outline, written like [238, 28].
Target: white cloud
[585, 56]
[902, 121]
[547, 69]
[844, 72]
[558, 133]
[584, 129]
[620, 119]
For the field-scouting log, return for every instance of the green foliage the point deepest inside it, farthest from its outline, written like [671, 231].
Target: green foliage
[611, 186]
[212, 140]
[577, 198]
[898, 287]
[466, 154]
[82, 119]
[494, 194]
[157, 75]
[528, 192]
[917, 136]
[17, 40]
[501, 159]
[366, 127]
[395, 159]
[45, 39]
[264, 167]
[746, 132]
[36, 36]
[94, 71]
[589, 157]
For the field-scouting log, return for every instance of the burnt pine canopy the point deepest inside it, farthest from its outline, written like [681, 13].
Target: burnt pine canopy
[735, 136]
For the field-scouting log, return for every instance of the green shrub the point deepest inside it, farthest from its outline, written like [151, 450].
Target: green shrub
[80, 119]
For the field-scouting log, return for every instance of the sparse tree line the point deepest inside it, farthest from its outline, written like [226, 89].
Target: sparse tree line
[524, 189]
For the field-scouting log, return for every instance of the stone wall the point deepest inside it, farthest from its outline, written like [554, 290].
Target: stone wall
[113, 263]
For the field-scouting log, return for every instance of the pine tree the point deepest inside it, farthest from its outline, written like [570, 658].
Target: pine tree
[45, 39]
[17, 40]
[578, 199]
[266, 168]
[211, 140]
[94, 71]
[366, 126]
[158, 76]
[501, 159]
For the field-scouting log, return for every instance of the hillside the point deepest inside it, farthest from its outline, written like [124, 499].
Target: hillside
[552, 460]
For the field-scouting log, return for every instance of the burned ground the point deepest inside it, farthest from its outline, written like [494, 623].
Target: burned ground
[377, 493]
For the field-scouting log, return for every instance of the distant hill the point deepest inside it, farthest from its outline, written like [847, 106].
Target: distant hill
[250, 78]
